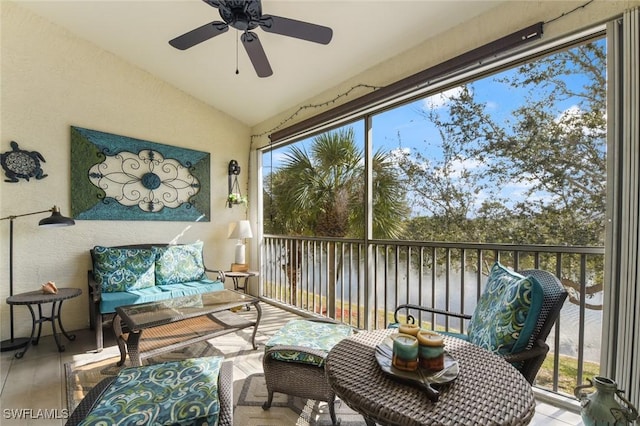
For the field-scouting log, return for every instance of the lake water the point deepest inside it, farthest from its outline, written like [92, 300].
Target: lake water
[569, 321]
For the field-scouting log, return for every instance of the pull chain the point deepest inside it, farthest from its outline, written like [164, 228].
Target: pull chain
[237, 72]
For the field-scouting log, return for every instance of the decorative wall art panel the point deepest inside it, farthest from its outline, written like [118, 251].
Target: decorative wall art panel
[121, 178]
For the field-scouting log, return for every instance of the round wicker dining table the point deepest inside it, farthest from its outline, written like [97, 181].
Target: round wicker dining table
[487, 391]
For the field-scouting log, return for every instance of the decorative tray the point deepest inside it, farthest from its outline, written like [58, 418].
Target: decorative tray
[422, 377]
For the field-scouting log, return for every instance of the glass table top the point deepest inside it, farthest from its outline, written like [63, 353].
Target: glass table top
[152, 314]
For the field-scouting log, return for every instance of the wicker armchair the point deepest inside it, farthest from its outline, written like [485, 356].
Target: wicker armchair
[529, 360]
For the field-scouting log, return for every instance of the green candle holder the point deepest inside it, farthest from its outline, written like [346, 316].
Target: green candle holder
[405, 352]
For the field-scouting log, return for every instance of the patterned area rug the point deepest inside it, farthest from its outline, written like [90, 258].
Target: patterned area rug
[249, 393]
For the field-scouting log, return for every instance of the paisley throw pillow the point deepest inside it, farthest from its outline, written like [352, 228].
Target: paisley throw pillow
[179, 263]
[507, 312]
[120, 269]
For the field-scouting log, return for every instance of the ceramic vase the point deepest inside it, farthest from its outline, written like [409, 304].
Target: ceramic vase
[600, 408]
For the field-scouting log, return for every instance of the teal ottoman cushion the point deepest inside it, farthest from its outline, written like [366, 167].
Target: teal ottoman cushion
[308, 334]
[170, 393]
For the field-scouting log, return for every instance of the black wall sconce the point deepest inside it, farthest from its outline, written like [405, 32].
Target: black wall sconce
[235, 195]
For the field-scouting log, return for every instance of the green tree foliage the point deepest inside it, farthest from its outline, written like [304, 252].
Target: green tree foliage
[556, 153]
[321, 192]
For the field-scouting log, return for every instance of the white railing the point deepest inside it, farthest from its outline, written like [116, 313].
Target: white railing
[361, 284]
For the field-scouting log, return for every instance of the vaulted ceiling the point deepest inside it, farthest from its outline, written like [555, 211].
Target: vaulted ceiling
[365, 33]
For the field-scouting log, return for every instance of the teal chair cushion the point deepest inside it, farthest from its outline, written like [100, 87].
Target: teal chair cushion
[190, 288]
[507, 311]
[308, 334]
[179, 263]
[110, 301]
[119, 269]
[171, 393]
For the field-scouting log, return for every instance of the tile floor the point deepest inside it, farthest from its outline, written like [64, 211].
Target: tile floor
[34, 386]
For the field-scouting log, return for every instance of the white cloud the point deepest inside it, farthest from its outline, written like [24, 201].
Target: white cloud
[441, 99]
[571, 112]
[566, 117]
[466, 164]
[517, 191]
[458, 167]
[399, 152]
[492, 105]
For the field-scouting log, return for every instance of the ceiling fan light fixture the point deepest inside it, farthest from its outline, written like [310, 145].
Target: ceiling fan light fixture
[246, 15]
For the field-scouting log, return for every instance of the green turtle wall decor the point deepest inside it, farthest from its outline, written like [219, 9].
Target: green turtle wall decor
[21, 164]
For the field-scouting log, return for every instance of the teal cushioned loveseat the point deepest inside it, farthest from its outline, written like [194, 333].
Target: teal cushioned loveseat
[141, 273]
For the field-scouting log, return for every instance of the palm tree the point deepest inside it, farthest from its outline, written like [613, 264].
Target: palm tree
[321, 193]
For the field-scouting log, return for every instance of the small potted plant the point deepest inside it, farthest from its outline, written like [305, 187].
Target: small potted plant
[236, 198]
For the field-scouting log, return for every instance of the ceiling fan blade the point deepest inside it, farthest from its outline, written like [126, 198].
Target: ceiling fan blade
[297, 29]
[254, 49]
[199, 35]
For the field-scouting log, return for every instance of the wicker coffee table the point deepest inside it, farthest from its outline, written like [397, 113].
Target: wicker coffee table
[488, 390]
[158, 327]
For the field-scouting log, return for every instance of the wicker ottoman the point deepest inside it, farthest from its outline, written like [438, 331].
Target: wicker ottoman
[294, 360]
[192, 391]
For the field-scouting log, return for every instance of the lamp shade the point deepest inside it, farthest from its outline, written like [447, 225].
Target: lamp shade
[242, 229]
[56, 219]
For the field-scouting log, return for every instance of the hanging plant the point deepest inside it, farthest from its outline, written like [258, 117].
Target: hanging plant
[235, 195]
[236, 198]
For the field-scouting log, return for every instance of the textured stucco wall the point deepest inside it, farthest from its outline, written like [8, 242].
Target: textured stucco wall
[51, 80]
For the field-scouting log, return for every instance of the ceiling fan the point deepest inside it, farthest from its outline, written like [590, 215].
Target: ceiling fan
[246, 15]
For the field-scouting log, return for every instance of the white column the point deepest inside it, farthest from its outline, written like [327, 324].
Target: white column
[621, 325]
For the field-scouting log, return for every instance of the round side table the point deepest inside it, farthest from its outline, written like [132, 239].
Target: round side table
[39, 298]
[236, 276]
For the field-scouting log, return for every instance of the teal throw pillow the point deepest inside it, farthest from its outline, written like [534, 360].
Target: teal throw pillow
[179, 263]
[121, 269]
[507, 312]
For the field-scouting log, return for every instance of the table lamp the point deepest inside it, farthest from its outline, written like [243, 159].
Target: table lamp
[239, 231]
[55, 220]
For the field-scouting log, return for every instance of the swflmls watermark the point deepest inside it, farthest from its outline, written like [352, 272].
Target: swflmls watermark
[34, 413]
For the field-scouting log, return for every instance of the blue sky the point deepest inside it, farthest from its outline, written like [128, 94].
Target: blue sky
[405, 127]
